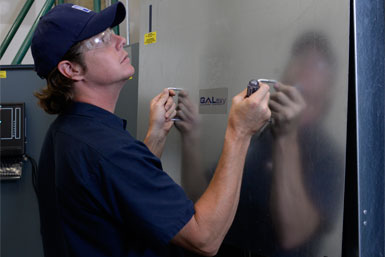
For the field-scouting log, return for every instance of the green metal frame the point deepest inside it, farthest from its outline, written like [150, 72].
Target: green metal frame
[27, 42]
[97, 5]
[97, 8]
[116, 28]
[15, 26]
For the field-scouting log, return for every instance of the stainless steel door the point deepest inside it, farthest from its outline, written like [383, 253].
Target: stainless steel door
[292, 193]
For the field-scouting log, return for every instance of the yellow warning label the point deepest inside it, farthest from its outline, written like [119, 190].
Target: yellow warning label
[150, 38]
[3, 74]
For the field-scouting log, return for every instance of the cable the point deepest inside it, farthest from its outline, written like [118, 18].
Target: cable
[34, 173]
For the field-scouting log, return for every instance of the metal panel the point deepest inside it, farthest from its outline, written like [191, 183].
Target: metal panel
[19, 209]
[204, 45]
[370, 92]
[126, 107]
[19, 214]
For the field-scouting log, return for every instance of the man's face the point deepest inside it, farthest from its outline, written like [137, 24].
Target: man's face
[106, 61]
[312, 75]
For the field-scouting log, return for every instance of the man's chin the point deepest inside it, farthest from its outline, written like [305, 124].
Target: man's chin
[130, 74]
[132, 71]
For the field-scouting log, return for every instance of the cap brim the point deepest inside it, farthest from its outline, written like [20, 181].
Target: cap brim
[107, 18]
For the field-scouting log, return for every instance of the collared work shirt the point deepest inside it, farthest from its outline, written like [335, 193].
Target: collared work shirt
[103, 193]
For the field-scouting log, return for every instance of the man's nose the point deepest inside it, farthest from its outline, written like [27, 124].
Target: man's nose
[121, 41]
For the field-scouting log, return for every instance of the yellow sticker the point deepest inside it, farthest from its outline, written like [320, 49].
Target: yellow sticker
[3, 74]
[130, 77]
[150, 38]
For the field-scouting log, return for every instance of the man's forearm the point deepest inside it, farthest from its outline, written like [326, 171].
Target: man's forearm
[193, 178]
[294, 214]
[215, 210]
[222, 195]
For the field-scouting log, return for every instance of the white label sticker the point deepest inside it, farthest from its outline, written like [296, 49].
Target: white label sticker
[81, 8]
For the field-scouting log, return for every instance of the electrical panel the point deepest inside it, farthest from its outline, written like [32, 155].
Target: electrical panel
[12, 133]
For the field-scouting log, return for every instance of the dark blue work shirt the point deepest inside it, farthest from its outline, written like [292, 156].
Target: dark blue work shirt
[103, 193]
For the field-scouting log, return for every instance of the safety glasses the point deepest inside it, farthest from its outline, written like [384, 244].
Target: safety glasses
[99, 41]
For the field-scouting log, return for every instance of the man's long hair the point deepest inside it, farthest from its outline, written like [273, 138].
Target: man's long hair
[58, 93]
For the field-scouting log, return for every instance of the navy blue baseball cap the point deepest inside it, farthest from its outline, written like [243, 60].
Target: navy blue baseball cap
[64, 26]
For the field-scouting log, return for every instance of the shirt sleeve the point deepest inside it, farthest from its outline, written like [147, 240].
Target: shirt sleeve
[141, 196]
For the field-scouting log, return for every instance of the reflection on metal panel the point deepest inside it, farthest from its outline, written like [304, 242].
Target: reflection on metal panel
[292, 192]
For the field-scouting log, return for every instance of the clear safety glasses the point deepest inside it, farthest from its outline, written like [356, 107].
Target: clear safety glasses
[100, 40]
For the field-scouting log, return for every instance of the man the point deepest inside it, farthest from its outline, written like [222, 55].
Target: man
[101, 192]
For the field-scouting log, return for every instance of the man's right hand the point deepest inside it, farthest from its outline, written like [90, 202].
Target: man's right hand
[249, 114]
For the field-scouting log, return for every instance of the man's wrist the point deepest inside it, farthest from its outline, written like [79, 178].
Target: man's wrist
[287, 138]
[233, 135]
[154, 135]
[190, 136]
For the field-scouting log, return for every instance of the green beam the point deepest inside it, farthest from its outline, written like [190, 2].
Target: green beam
[11, 33]
[97, 5]
[116, 28]
[27, 41]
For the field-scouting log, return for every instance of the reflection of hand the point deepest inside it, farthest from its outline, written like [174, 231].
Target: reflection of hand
[187, 112]
[249, 114]
[162, 110]
[287, 105]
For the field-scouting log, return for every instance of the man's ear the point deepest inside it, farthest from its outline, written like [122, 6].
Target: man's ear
[71, 70]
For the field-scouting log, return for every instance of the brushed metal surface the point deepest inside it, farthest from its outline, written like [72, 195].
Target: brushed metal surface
[292, 200]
